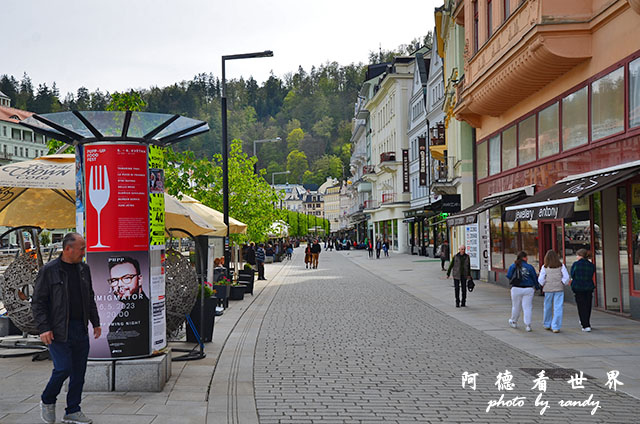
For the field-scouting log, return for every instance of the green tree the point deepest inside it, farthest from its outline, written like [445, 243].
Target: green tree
[251, 198]
[294, 138]
[126, 101]
[297, 163]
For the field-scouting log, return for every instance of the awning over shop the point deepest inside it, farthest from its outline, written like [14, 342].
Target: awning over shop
[556, 202]
[470, 214]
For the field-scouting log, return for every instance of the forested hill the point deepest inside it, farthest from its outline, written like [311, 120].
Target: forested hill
[310, 111]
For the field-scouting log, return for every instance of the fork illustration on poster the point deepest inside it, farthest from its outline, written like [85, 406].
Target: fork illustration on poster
[99, 192]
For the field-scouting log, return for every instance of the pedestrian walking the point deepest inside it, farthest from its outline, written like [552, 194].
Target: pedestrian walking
[251, 255]
[307, 255]
[370, 248]
[289, 251]
[582, 286]
[460, 267]
[315, 253]
[378, 248]
[523, 279]
[444, 253]
[385, 248]
[62, 305]
[553, 277]
[261, 256]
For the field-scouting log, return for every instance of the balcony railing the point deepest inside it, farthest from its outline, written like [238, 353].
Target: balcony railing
[388, 157]
[388, 198]
[370, 204]
[445, 172]
[437, 135]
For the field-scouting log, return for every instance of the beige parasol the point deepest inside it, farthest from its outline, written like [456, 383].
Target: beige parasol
[41, 193]
[213, 217]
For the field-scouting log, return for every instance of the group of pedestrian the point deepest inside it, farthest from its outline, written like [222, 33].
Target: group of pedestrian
[524, 280]
[255, 256]
[380, 246]
[312, 254]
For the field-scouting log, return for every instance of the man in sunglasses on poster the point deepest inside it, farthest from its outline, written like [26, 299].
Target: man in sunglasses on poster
[129, 331]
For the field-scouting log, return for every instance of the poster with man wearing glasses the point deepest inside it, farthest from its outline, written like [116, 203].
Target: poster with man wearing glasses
[121, 285]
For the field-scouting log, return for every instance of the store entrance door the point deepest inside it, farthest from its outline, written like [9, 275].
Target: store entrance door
[551, 237]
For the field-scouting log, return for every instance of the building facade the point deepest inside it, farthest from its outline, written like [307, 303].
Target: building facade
[554, 98]
[332, 207]
[17, 143]
[388, 108]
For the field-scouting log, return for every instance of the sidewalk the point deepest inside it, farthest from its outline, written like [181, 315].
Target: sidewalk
[612, 345]
[184, 399]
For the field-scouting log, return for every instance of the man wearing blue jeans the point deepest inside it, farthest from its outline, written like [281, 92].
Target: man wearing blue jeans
[63, 304]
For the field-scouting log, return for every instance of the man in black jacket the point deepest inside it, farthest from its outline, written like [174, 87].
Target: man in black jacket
[63, 304]
[460, 267]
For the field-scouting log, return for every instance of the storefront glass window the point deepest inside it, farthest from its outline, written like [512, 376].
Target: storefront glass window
[623, 230]
[635, 234]
[509, 148]
[495, 229]
[548, 131]
[481, 157]
[634, 93]
[577, 235]
[607, 105]
[574, 119]
[510, 242]
[597, 249]
[494, 155]
[527, 140]
[529, 234]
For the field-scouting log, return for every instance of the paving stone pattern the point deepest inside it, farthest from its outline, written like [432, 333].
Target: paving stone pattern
[340, 345]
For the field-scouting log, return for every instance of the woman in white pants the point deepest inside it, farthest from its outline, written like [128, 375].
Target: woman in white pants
[523, 279]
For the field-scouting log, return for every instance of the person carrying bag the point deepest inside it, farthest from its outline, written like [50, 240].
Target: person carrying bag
[460, 267]
[523, 279]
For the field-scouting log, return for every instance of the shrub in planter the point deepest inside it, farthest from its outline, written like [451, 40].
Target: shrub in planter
[210, 303]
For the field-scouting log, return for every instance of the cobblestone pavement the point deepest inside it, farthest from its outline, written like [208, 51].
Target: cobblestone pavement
[341, 345]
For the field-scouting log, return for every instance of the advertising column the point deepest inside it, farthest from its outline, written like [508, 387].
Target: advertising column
[116, 214]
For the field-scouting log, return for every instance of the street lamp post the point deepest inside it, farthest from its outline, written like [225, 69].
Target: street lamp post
[225, 146]
[268, 140]
[278, 173]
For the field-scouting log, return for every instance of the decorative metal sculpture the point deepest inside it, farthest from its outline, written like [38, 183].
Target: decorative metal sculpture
[181, 289]
[16, 289]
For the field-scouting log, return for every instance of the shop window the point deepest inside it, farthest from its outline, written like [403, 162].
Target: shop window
[597, 249]
[623, 251]
[548, 131]
[635, 234]
[527, 140]
[634, 93]
[481, 160]
[495, 230]
[511, 249]
[529, 234]
[607, 105]
[574, 119]
[476, 44]
[494, 155]
[489, 19]
[509, 148]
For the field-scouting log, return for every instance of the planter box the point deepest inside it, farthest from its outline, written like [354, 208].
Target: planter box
[209, 316]
[237, 292]
[222, 293]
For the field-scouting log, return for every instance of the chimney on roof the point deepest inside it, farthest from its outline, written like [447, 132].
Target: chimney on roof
[5, 101]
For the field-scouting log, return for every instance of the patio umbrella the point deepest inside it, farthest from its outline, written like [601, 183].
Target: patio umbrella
[41, 193]
[38, 192]
[213, 217]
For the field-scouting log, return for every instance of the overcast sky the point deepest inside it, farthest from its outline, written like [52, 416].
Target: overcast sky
[115, 45]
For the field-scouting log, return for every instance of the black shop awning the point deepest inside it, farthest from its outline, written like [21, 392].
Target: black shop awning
[556, 202]
[470, 214]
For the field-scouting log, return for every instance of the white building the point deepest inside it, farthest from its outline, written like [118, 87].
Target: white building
[387, 104]
[293, 196]
[17, 143]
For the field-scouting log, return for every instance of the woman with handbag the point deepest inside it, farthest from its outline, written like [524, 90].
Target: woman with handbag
[307, 255]
[553, 277]
[523, 279]
[582, 286]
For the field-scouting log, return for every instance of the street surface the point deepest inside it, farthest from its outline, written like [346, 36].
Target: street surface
[370, 341]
